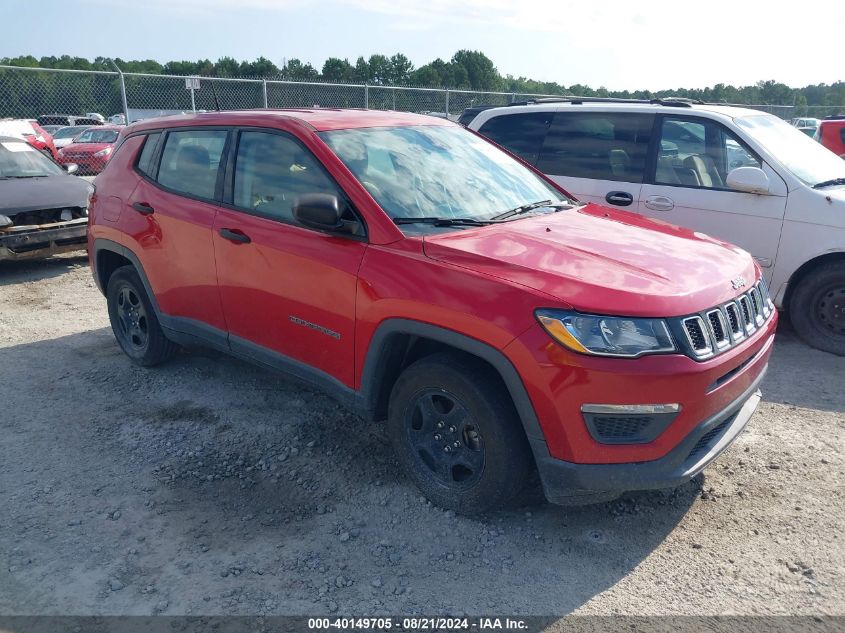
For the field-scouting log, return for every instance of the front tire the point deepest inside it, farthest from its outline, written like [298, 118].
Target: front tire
[817, 308]
[457, 435]
[133, 319]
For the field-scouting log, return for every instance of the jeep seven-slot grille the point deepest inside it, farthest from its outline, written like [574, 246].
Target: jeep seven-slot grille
[720, 328]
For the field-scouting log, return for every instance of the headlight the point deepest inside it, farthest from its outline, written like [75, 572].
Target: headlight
[103, 152]
[607, 335]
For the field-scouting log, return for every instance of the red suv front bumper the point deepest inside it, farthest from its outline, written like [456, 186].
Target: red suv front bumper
[717, 397]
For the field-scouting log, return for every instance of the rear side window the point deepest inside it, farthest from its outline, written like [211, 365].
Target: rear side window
[520, 134]
[597, 145]
[145, 159]
[190, 160]
[271, 170]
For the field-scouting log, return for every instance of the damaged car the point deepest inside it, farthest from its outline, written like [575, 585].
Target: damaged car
[43, 208]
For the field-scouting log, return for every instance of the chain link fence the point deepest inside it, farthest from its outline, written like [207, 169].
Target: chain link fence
[33, 92]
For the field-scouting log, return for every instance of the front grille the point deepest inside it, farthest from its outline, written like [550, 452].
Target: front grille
[718, 329]
[696, 334]
[745, 307]
[717, 326]
[733, 321]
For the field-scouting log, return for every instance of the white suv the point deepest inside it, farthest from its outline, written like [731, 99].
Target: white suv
[740, 175]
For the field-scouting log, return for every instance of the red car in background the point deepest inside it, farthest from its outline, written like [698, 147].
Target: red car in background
[831, 134]
[91, 150]
[41, 140]
[32, 133]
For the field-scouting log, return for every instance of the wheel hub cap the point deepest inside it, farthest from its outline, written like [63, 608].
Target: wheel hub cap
[445, 439]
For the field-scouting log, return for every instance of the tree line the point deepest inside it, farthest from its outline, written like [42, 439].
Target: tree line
[468, 70]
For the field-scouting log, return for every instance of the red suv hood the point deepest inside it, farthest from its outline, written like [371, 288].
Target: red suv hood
[599, 260]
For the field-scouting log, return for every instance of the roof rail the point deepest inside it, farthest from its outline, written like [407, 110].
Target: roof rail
[677, 102]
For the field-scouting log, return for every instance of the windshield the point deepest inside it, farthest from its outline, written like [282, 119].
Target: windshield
[437, 171]
[97, 136]
[804, 157]
[21, 160]
[70, 132]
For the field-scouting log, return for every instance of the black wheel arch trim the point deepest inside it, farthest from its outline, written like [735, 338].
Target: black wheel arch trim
[102, 244]
[377, 361]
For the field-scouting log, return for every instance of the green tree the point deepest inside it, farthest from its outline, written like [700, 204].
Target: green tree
[426, 77]
[400, 70]
[379, 69]
[295, 70]
[337, 70]
[481, 72]
[361, 72]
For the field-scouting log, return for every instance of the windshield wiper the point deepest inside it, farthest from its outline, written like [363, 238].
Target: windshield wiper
[525, 208]
[829, 183]
[441, 221]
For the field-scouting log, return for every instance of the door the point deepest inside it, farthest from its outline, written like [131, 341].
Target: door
[176, 197]
[288, 292]
[598, 156]
[691, 159]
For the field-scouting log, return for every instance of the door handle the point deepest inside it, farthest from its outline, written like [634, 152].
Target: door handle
[143, 208]
[620, 198]
[659, 203]
[234, 235]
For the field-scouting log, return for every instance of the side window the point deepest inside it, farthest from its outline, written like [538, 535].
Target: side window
[521, 134]
[597, 145]
[190, 160]
[146, 156]
[698, 154]
[271, 170]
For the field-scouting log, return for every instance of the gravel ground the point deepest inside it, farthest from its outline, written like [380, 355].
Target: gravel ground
[207, 486]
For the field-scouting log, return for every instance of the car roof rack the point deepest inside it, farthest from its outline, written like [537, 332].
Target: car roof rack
[676, 102]
[835, 117]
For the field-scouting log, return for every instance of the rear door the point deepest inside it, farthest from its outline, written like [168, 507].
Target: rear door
[598, 156]
[288, 291]
[176, 201]
[686, 185]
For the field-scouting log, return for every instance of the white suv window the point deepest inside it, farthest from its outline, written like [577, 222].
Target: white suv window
[597, 145]
[521, 134]
[698, 154]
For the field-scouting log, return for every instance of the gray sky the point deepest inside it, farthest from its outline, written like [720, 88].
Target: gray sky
[617, 44]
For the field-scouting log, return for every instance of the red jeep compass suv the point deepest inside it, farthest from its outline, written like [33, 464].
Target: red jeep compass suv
[425, 277]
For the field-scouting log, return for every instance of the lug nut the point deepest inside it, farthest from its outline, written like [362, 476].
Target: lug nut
[452, 429]
[457, 444]
[447, 449]
[437, 437]
[440, 425]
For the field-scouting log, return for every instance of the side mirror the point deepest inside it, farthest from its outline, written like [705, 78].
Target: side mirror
[322, 211]
[748, 179]
[71, 168]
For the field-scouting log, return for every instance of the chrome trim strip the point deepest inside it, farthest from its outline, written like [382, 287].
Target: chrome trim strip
[745, 308]
[707, 351]
[635, 409]
[723, 342]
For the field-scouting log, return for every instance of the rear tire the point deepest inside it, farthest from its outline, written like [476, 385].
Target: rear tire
[457, 434]
[817, 308]
[134, 321]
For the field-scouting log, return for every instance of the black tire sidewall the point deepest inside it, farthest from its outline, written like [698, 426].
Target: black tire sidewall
[802, 307]
[507, 461]
[157, 347]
